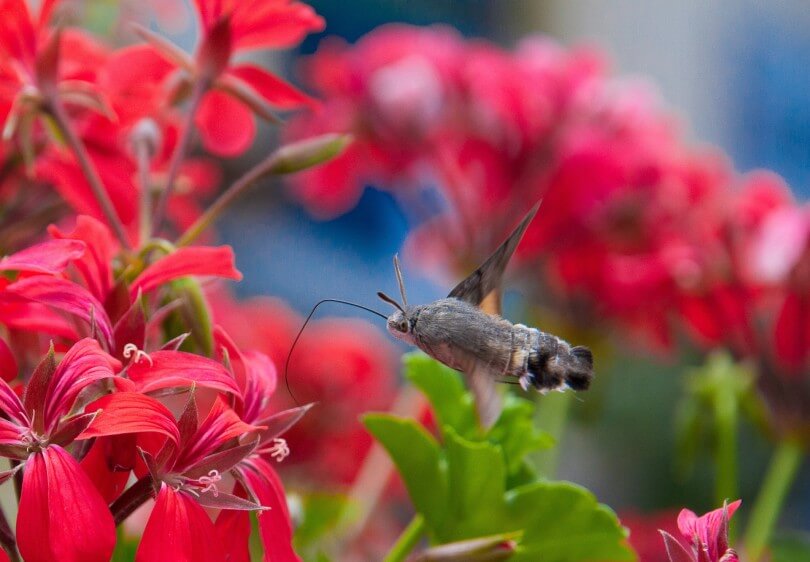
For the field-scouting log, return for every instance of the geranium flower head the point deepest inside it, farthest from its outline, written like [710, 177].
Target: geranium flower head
[706, 535]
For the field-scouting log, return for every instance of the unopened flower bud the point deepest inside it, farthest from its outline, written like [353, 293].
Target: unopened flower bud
[146, 135]
[307, 153]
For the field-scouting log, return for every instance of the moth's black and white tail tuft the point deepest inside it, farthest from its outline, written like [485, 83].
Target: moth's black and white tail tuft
[580, 373]
[553, 365]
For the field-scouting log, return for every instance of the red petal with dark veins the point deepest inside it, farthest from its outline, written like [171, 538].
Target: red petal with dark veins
[48, 257]
[62, 516]
[8, 363]
[131, 412]
[66, 296]
[274, 524]
[200, 260]
[83, 364]
[233, 530]
[276, 91]
[220, 425]
[177, 368]
[178, 530]
[226, 126]
[94, 266]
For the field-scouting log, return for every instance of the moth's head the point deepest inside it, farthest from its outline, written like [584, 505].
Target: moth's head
[398, 324]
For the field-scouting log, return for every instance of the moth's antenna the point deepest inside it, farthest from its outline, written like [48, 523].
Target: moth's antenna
[390, 301]
[400, 281]
[301, 331]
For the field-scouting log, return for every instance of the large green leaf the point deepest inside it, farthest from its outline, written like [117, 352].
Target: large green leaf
[515, 432]
[417, 457]
[562, 522]
[452, 403]
[476, 480]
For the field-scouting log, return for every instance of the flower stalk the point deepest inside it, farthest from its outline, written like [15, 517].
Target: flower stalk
[408, 540]
[133, 498]
[286, 160]
[782, 471]
[201, 86]
[63, 123]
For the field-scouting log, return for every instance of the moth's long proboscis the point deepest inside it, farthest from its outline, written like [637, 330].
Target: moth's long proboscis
[301, 331]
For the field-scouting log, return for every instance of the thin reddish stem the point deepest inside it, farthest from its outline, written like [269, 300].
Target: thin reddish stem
[65, 126]
[133, 498]
[200, 87]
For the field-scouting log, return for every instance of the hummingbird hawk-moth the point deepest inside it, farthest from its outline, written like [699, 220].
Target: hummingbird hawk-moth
[466, 332]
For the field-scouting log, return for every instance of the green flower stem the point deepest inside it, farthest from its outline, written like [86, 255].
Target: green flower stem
[768, 505]
[201, 86]
[62, 121]
[288, 159]
[726, 415]
[406, 542]
[552, 417]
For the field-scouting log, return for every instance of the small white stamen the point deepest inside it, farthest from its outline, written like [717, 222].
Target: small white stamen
[279, 450]
[210, 482]
[131, 348]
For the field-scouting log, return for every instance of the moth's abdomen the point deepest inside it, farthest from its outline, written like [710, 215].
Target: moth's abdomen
[552, 364]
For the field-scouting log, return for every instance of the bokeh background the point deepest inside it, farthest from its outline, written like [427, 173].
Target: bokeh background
[733, 72]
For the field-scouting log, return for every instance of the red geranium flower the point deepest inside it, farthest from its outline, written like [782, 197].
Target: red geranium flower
[36, 430]
[224, 116]
[707, 536]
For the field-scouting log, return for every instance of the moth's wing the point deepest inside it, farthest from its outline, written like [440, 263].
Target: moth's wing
[488, 399]
[483, 286]
[482, 383]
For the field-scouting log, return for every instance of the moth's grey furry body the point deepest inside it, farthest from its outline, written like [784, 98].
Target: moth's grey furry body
[465, 338]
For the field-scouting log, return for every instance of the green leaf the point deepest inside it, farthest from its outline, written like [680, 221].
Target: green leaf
[476, 484]
[515, 432]
[452, 404]
[791, 548]
[417, 457]
[563, 522]
[322, 513]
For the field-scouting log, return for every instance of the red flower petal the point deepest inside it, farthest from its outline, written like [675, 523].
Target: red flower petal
[178, 530]
[233, 529]
[8, 363]
[201, 260]
[48, 257]
[220, 425]
[176, 368]
[94, 266]
[62, 516]
[276, 91]
[226, 126]
[257, 23]
[109, 464]
[130, 412]
[18, 313]
[83, 364]
[792, 332]
[67, 296]
[274, 524]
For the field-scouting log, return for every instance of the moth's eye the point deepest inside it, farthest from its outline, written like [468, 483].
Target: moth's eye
[402, 326]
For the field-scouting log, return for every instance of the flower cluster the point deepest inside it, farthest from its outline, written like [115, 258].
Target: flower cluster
[116, 386]
[636, 226]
